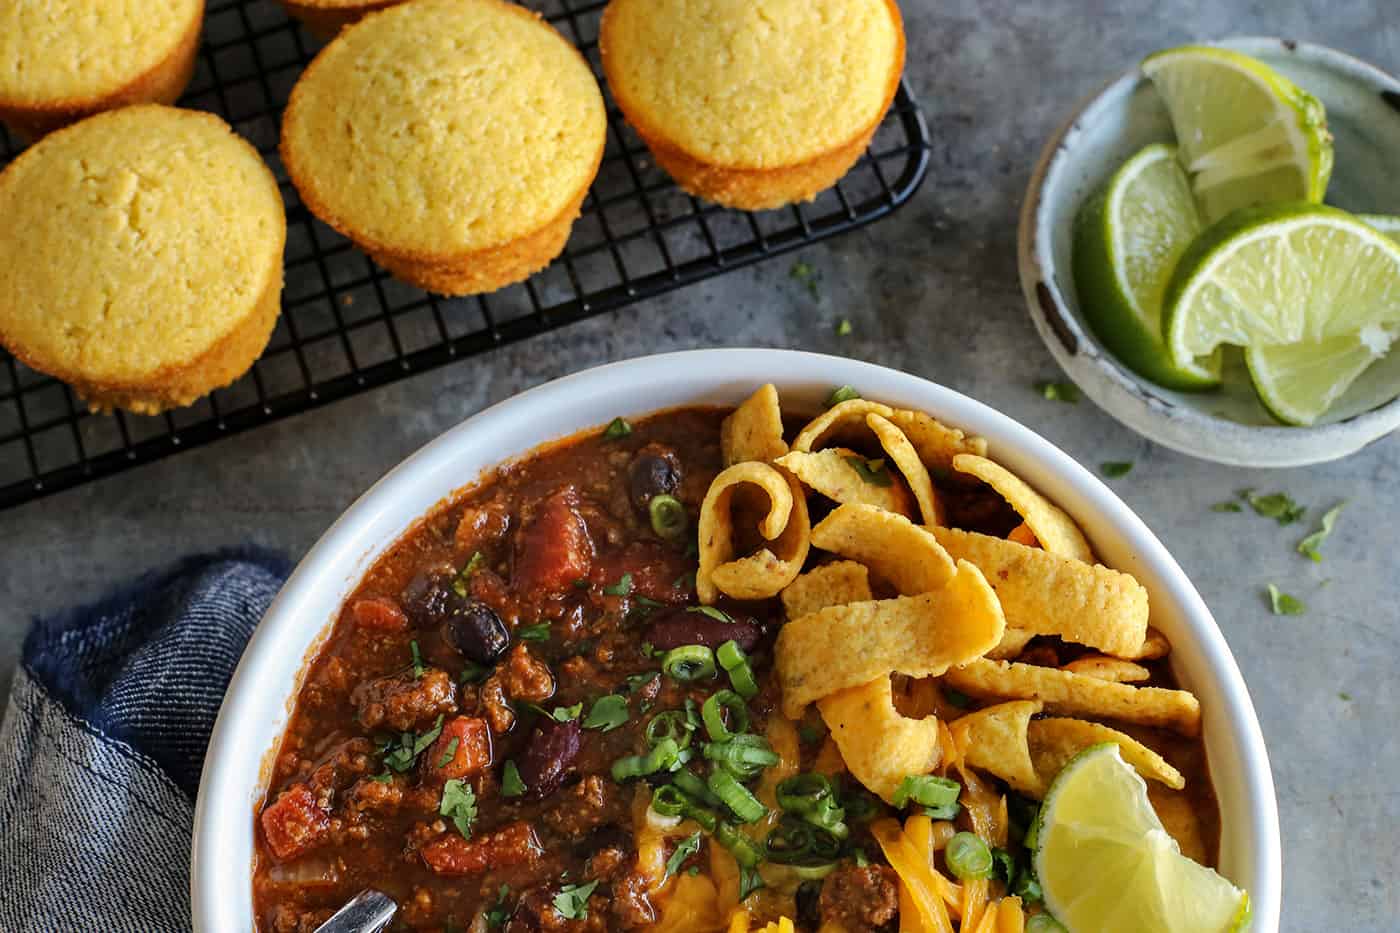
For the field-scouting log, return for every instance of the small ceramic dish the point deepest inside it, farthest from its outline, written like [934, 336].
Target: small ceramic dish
[259, 698]
[1228, 425]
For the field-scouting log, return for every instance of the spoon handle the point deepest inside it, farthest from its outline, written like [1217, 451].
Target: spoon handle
[367, 912]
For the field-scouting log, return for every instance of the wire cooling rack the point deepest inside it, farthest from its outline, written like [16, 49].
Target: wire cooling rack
[346, 326]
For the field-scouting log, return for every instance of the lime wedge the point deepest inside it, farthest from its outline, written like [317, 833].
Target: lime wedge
[1127, 239]
[1105, 862]
[1289, 282]
[1385, 223]
[1247, 134]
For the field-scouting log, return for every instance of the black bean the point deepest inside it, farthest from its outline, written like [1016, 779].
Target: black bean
[425, 599]
[549, 756]
[474, 629]
[655, 471]
[672, 628]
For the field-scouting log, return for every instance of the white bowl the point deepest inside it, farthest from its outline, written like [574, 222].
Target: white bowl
[255, 710]
[1363, 113]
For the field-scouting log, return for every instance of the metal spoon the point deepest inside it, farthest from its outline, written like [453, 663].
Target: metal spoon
[367, 912]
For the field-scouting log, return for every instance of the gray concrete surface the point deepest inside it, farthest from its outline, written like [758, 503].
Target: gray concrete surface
[932, 291]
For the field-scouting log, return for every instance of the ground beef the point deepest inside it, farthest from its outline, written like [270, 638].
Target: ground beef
[856, 898]
[402, 701]
[339, 765]
[589, 804]
[480, 526]
[496, 705]
[290, 918]
[370, 796]
[525, 677]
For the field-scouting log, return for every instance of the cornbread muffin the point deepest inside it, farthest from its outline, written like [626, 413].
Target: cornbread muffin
[140, 257]
[325, 18]
[452, 140]
[754, 104]
[62, 60]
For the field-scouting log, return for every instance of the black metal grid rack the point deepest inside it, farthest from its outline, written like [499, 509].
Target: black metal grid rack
[347, 326]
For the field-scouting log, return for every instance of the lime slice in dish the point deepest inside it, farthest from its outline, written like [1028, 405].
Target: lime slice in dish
[1385, 223]
[1247, 134]
[1280, 276]
[1127, 239]
[1105, 862]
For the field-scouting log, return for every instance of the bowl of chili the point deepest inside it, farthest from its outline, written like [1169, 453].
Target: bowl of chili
[296, 694]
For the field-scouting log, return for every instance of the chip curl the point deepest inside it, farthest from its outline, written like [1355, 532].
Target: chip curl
[754, 430]
[1154, 646]
[842, 421]
[1051, 525]
[899, 449]
[1053, 742]
[785, 524]
[1047, 594]
[993, 739]
[922, 636]
[893, 547]
[1181, 818]
[833, 584]
[1071, 694]
[937, 443]
[1104, 667]
[1013, 642]
[879, 746]
[832, 473]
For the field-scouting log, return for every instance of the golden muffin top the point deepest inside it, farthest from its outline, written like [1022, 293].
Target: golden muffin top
[756, 84]
[134, 241]
[70, 51]
[444, 126]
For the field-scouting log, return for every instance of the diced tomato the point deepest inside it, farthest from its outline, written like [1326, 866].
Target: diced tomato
[554, 549]
[658, 572]
[469, 756]
[295, 823]
[379, 614]
[450, 854]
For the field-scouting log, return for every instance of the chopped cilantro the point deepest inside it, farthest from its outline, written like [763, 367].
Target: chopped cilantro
[621, 588]
[871, 471]
[1344, 696]
[617, 429]
[459, 805]
[498, 915]
[807, 276]
[538, 632]
[450, 752]
[862, 860]
[1283, 604]
[1278, 506]
[719, 615]
[566, 713]
[417, 660]
[687, 847]
[1066, 392]
[1113, 469]
[459, 583]
[383, 778]
[843, 328]
[685, 581]
[749, 881]
[1226, 507]
[636, 682]
[473, 673]
[400, 754]
[608, 713]
[841, 394]
[649, 650]
[1309, 546]
[511, 785]
[572, 900]
[810, 735]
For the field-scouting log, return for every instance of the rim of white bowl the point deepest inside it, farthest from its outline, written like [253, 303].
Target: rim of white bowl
[1131, 399]
[248, 723]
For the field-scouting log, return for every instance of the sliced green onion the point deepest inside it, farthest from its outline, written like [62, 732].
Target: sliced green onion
[744, 758]
[668, 517]
[927, 790]
[617, 428]
[860, 806]
[662, 755]
[713, 714]
[739, 845]
[668, 800]
[736, 664]
[802, 792]
[730, 655]
[689, 663]
[692, 784]
[812, 872]
[842, 394]
[736, 796]
[673, 724]
[968, 856]
[794, 842]
[1044, 923]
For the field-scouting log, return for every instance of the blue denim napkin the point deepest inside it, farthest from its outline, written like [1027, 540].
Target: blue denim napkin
[103, 741]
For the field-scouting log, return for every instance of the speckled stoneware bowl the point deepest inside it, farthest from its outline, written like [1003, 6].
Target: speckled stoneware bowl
[1228, 425]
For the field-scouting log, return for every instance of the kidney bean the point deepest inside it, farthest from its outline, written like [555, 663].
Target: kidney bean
[549, 756]
[655, 470]
[672, 628]
[474, 629]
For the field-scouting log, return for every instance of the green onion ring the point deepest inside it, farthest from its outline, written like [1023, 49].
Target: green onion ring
[968, 856]
[743, 850]
[713, 714]
[663, 755]
[689, 663]
[673, 724]
[741, 802]
[668, 517]
[691, 783]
